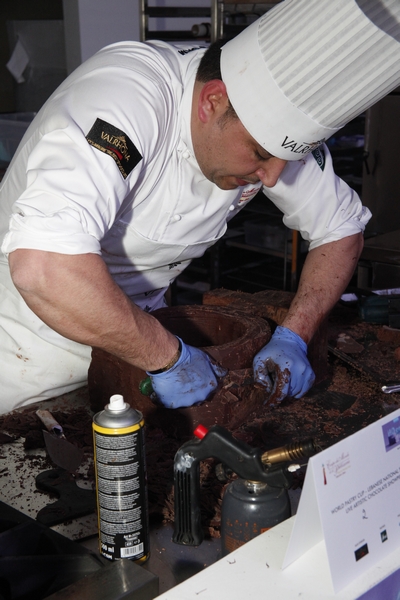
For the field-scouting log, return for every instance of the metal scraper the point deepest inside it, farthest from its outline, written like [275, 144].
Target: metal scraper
[62, 453]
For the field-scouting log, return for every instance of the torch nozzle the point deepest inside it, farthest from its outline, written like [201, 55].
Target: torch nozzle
[289, 452]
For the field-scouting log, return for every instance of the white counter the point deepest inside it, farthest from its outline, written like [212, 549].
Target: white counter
[254, 571]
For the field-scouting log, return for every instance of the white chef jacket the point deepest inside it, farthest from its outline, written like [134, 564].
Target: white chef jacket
[108, 167]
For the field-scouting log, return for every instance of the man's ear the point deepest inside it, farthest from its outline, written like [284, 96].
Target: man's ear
[213, 99]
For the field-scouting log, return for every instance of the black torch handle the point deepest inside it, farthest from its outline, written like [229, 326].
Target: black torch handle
[187, 523]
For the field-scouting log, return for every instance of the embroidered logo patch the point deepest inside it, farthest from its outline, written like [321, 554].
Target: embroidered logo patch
[319, 156]
[111, 140]
[187, 50]
[248, 195]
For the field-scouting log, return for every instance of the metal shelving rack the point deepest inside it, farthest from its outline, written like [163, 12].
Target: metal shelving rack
[227, 13]
[222, 16]
[176, 12]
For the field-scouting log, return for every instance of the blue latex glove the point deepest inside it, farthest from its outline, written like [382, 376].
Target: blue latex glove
[282, 366]
[190, 381]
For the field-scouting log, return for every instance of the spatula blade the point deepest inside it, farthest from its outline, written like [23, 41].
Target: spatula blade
[63, 453]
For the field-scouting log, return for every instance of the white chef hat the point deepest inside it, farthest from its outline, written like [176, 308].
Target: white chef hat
[307, 67]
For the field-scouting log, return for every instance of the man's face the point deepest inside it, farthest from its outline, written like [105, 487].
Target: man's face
[230, 157]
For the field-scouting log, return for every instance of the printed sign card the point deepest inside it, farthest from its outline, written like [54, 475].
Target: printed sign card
[351, 500]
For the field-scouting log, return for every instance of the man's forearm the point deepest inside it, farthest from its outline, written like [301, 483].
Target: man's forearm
[76, 296]
[325, 275]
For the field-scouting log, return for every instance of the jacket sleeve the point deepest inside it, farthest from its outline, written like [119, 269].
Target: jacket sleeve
[316, 202]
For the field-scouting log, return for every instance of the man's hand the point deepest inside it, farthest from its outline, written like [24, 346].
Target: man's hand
[282, 366]
[189, 381]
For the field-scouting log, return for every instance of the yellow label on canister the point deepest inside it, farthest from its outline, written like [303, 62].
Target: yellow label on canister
[120, 430]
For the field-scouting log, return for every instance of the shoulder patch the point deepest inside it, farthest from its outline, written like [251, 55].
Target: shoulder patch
[319, 156]
[111, 140]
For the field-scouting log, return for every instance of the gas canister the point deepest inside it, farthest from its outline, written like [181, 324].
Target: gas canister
[248, 509]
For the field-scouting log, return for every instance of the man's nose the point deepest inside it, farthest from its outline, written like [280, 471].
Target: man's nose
[270, 174]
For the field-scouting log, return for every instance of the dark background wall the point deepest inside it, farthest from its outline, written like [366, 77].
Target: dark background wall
[21, 10]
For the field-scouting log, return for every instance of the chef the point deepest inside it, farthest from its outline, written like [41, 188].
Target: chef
[136, 164]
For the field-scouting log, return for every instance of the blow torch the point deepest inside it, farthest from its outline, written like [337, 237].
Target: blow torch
[251, 504]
